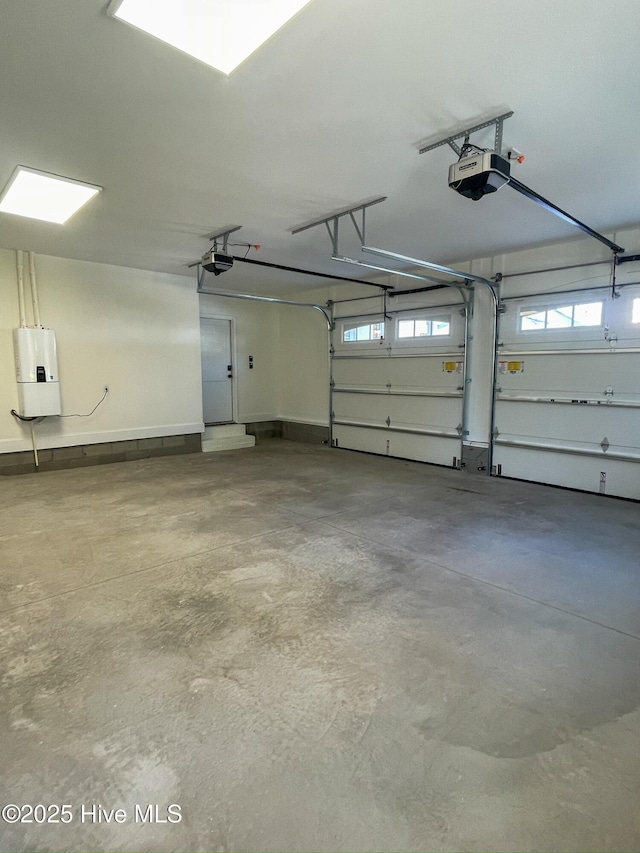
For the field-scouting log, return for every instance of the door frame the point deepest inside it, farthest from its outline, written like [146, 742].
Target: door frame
[205, 315]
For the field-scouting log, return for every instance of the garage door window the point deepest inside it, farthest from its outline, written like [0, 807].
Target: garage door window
[575, 316]
[422, 328]
[354, 332]
[635, 311]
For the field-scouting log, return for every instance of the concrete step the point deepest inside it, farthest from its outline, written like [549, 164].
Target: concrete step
[226, 437]
[220, 430]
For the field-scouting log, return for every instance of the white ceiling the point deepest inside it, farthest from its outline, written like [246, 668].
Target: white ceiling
[330, 112]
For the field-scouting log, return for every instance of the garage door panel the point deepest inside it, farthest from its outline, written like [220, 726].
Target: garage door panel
[621, 478]
[407, 374]
[416, 412]
[386, 442]
[577, 423]
[428, 373]
[581, 375]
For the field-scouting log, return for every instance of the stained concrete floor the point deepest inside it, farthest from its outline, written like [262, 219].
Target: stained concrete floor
[312, 649]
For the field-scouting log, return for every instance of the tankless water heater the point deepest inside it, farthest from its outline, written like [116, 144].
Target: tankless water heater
[37, 372]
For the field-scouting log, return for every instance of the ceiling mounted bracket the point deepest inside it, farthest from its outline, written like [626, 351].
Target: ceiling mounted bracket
[222, 237]
[331, 221]
[464, 134]
[332, 224]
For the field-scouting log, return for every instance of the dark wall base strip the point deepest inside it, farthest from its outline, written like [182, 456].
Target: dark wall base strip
[79, 456]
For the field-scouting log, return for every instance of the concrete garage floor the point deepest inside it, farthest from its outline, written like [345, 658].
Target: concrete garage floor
[311, 649]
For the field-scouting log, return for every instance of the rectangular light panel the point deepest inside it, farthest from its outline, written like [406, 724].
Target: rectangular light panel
[40, 195]
[221, 33]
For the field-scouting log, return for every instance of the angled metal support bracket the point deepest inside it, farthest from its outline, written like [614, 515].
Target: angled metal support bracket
[332, 219]
[450, 140]
[222, 236]
[332, 228]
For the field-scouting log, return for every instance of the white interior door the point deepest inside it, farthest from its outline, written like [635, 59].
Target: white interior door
[217, 370]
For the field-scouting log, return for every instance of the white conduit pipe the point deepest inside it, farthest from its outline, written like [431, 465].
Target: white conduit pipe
[35, 447]
[20, 271]
[34, 291]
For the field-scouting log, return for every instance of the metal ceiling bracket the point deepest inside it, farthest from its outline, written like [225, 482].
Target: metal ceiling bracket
[332, 224]
[450, 140]
[333, 235]
[332, 221]
[223, 236]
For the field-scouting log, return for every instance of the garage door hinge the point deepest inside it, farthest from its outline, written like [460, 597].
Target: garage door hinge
[388, 421]
[604, 444]
[496, 432]
[502, 307]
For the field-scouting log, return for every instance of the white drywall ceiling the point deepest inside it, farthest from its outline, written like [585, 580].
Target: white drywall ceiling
[331, 111]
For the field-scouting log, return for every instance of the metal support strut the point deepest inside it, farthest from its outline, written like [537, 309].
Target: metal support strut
[223, 235]
[467, 131]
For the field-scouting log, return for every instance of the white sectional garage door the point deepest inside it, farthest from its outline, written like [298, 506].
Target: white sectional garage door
[397, 384]
[568, 404]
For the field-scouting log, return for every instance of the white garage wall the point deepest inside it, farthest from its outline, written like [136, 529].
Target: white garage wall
[303, 366]
[135, 331]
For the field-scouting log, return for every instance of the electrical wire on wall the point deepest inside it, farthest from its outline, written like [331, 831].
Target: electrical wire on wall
[33, 420]
[95, 408]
